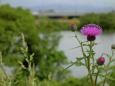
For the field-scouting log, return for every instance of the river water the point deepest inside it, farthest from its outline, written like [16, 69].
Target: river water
[68, 42]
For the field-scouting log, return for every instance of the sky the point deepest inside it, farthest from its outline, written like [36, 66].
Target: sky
[63, 5]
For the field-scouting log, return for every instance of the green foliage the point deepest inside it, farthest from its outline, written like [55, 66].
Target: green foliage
[71, 81]
[42, 42]
[12, 23]
[21, 80]
[54, 24]
[105, 20]
[31, 80]
[112, 74]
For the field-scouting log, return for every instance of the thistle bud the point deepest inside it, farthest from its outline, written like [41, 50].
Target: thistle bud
[100, 61]
[73, 27]
[91, 38]
[113, 46]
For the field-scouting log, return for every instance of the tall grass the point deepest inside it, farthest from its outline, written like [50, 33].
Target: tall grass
[5, 80]
[31, 80]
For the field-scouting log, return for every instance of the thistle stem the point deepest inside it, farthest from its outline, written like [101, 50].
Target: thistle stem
[89, 70]
[81, 47]
[96, 76]
[106, 71]
[87, 59]
[92, 82]
[108, 65]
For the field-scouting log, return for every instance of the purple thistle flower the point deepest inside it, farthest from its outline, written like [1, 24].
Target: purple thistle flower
[100, 61]
[91, 30]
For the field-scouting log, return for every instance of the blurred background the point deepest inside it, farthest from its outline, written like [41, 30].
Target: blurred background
[46, 26]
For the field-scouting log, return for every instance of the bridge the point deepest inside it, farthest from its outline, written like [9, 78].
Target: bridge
[58, 14]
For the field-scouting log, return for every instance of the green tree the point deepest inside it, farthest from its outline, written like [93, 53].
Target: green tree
[13, 22]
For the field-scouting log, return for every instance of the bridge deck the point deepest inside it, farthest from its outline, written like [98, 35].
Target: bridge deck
[58, 14]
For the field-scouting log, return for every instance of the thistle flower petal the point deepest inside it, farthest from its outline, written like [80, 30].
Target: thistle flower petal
[91, 30]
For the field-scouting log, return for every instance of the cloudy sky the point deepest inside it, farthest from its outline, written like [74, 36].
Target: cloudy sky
[62, 4]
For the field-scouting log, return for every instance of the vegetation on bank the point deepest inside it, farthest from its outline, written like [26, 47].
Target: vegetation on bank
[105, 20]
[42, 38]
